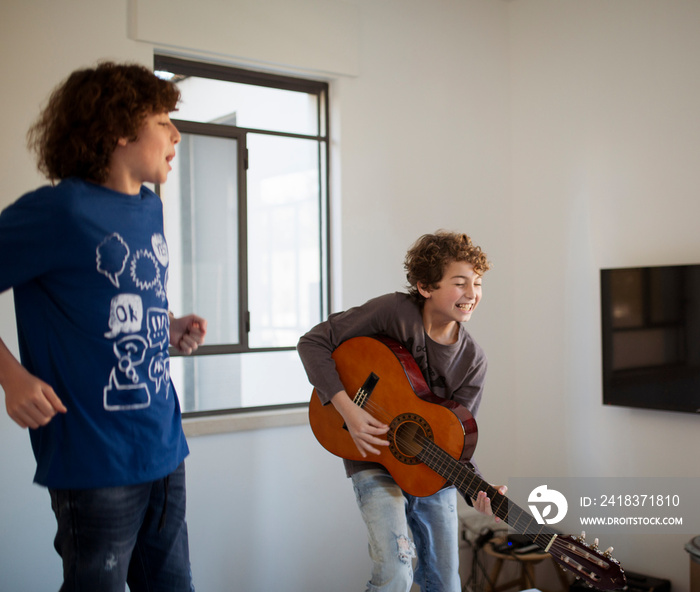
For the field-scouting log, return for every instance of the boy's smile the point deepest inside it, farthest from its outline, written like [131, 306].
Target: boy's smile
[466, 307]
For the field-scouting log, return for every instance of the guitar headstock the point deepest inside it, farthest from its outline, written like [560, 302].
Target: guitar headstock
[599, 570]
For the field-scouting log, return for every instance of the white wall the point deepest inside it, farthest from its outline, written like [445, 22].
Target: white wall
[606, 134]
[560, 135]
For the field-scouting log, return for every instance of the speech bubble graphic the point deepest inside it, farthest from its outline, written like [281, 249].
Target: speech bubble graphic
[132, 347]
[120, 397]
[145, 272]
[112, 254]
[125, 315]
[131, 352]
[159, 371]
[158, 327]
[160, 248]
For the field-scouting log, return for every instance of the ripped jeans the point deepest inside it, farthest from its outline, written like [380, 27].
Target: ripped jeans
[389, 513]
[114, 535]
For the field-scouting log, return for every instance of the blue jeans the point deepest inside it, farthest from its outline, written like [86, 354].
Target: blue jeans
[389, 513]
[112, 536]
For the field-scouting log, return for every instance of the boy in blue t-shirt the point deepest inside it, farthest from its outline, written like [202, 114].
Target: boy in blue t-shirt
[88, 264]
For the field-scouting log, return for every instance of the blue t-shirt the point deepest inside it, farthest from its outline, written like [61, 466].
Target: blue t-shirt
[89, 268]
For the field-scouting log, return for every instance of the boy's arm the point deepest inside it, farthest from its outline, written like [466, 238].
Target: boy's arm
[187, 333]
[316, 347]
[30, 402]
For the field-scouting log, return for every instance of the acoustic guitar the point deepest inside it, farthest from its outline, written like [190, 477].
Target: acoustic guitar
[431, 440]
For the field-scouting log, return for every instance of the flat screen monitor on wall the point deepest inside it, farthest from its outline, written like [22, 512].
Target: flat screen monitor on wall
[651, 337]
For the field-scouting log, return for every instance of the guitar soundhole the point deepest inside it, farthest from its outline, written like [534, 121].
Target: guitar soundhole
[407, 437]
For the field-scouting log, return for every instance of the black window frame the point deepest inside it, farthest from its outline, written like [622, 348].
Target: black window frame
[184, 67]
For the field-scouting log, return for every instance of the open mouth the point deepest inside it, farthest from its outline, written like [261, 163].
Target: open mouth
[468, 307]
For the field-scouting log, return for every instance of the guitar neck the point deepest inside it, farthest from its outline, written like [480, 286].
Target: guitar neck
[468, 483]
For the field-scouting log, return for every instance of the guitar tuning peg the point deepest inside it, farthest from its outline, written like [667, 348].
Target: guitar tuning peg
[608, 552]
[582, 537]
[594, 546]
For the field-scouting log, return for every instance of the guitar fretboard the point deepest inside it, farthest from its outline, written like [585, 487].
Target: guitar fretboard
[469, 483]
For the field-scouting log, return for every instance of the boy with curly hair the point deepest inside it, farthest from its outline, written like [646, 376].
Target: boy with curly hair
[444, 272]
[88, 263]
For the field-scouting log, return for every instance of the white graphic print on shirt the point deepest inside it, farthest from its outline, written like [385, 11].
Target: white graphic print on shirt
[126, 389]
[112, 254]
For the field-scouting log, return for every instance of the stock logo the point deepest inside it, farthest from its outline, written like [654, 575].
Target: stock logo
[547, 499]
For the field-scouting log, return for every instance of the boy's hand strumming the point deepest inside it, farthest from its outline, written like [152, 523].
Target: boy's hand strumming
[367, 432]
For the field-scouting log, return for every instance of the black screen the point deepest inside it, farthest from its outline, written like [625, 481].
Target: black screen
[651, 337]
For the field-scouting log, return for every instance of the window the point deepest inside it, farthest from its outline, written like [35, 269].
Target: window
[246, 223]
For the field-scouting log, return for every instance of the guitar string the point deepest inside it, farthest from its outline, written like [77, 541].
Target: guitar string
[431, 449]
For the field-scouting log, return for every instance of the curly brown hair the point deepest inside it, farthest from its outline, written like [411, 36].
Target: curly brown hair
[77, 132]
[427, 259]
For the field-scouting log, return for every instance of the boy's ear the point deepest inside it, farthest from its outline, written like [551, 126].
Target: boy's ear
[423, 290]
[122, 141]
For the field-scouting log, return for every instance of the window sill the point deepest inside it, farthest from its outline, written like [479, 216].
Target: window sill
[255, 420]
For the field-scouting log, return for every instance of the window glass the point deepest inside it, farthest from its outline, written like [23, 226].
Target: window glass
[247, 106]
[283, 239]
[251, 380]
[200, 204]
